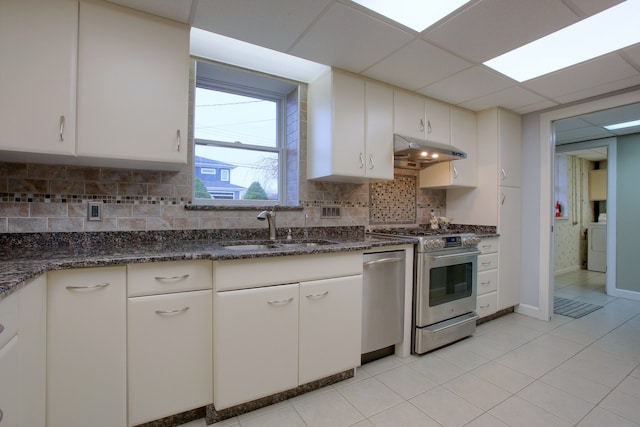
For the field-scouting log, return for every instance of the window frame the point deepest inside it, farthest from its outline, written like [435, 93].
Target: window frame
[280, 149]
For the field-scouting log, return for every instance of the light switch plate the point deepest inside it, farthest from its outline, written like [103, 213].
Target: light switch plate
[94, 211]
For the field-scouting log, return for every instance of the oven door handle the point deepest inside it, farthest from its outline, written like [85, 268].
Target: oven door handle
[382, 261]
[459, 255]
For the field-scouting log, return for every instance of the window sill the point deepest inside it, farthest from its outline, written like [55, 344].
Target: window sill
[191, 207]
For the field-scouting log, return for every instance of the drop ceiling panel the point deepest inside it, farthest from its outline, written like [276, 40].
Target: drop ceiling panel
[416, 65]
[511, 98]
[275, 24]
[594, 73]
[622, 114]
[589, 7]
[492, 27]
[349, 39]
[581, 134]
[633, 54]
[177, 10]
[600, 89]
[472, 83]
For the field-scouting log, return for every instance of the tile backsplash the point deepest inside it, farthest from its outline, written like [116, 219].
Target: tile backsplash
[54, 198]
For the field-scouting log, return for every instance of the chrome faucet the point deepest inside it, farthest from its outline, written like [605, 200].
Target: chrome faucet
[270, 216]
[306, 232]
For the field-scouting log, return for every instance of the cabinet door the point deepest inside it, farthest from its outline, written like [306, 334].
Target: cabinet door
[45, 121]
[170, 354]
[463, 136]
[348, 143]
[408, 114]
[379, 131]
[32, 349]
[510, 251]
[255, 334]
[330, 326]
[86, 347]
[9, 384]
[133, 74]
[510, 146]
[438, 122]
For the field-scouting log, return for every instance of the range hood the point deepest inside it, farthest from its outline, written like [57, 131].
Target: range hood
[415, 153]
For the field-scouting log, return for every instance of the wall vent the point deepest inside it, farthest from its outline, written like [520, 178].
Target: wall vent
[331, 212]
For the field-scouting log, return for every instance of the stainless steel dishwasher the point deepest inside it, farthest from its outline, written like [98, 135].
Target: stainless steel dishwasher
[382, 300]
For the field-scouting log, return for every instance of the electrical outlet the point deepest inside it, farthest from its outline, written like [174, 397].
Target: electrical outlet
[94, 211]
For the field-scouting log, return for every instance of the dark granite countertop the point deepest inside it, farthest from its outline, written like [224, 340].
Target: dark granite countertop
[19, 263]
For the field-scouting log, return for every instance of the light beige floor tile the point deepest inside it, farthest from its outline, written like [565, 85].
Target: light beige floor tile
[328, 409]
[486, 420]
[445, 407]
[361, 374]
[623, 404]
[403, 415]
[435, 368]
[576, 385]
[381, 365]
[363, 423]
[200, 423]
[517, 412]
[576, 335]
[463, 356]
[282, 417]
[495, 344]
[602, 418]
[556, 401]
[503, 376]
[263, 411]
[406, 382]
[630, 385]
[477, 391]
[229, 422]
[370, 396]
[599, 366]
[636, 372]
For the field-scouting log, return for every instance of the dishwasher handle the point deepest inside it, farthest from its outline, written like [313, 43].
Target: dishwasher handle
[382, 261]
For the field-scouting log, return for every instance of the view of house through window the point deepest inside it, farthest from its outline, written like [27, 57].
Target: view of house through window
[238, 149]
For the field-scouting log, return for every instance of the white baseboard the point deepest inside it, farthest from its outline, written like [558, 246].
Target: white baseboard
[567, 270]
[622, 293]
[529, 310]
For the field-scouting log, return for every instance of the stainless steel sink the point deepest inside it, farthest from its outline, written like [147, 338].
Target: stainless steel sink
[248, 247]
[252, 245]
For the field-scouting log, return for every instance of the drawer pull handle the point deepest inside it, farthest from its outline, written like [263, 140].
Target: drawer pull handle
[89, 287]
[1, 328]
[485, 283]
[486, 263]
[486, 246]
[61, 128]
[485, 306]
[170, 312]
[1, 415]
[184, 276]
[315, 296]
[381, 261]
[280, 302]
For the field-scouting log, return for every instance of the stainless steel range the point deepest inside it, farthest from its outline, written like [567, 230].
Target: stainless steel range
[444, 289]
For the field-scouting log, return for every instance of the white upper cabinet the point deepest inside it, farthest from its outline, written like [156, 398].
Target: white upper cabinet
[408, 114]
[38, 77]
[379, 131]
[133, 74]
[344, 144]
[437, 121]
[457, 173]
[510, 143]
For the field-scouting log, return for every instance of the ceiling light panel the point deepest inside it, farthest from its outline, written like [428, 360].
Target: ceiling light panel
[623, 125]
[597, 35]
[415, 14]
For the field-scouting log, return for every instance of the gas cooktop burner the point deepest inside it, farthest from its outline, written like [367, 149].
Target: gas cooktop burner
[428, 239]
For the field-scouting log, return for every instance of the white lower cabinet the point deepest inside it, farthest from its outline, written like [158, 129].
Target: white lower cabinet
[255, 343]
[169, 354]
[9, 381]
[86, 347]
[487, 285]
[330, 326]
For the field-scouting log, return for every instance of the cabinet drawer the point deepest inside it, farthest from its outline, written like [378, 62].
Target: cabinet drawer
[487, 281]
[487, 304]
[8, 318]
[488, 246]
[487, 262]
[268, 271]
[168, 277]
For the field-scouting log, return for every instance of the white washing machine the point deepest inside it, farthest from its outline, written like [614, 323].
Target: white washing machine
[597, 252]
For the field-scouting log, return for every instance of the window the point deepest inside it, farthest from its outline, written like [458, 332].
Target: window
[239, 124]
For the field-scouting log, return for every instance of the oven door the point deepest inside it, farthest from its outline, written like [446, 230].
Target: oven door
[445, 285]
